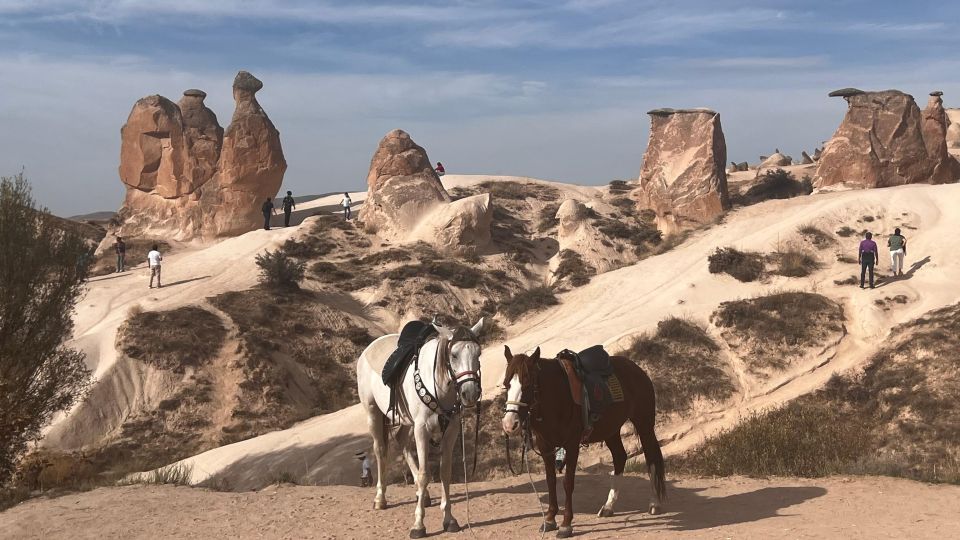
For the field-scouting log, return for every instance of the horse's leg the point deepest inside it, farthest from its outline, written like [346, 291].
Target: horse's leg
[550, 521]
[375, 420]
[570, 475]
[450, 439]
[654, 458]
[619, 454]
[408, 445]
[422, 436]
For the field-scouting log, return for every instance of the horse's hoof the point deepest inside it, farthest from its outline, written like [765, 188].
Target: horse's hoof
[565, 532]
[451, 526]
[418, 533]
[605, 512]
[548, 526]
[654, 509]
[380, 504]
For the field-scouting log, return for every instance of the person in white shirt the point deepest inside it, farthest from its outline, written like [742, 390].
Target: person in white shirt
[154, 258]
[345, 203]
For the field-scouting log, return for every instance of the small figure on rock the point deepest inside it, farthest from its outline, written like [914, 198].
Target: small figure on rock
[867, 257]
[268, 210]
[898, 249]
[121, 249]
[153, 259]
[345, 203]
[440, 170]
[288, 205]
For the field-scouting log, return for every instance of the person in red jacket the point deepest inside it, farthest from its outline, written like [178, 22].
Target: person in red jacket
[440, 170]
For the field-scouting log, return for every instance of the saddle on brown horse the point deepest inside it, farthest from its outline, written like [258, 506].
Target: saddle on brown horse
[593, 384]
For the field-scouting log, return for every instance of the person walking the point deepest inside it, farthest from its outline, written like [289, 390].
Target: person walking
[153, 259]
[867, 257]
[346, 203]
[898, 249]
[288, 205]
[440, 170]
[365, 480]
[121, 248]
[268, 210]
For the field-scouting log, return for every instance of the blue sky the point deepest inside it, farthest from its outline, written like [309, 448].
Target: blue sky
[546, 88]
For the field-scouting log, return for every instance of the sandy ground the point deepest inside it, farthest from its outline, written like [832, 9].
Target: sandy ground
[857, 507]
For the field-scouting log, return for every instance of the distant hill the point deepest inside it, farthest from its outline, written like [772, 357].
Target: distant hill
[104, 215]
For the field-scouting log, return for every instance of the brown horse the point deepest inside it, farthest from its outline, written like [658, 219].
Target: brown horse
[539, 400]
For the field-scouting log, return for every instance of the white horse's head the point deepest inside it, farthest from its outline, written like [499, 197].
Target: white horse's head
[464, 357]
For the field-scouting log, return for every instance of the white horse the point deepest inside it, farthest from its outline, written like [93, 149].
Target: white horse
[444, 379]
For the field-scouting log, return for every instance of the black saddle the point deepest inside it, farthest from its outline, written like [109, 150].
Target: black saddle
[595, 361]
[594, 370]
[412, 337]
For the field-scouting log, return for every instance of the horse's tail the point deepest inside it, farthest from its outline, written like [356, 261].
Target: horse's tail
[654, 458]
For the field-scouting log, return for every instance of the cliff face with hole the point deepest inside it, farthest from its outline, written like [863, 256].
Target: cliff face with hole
[885, 140]
[683, 178]
[186, 177]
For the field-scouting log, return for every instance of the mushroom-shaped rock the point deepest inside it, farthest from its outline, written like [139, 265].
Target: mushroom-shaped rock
[402, 187]
[880, 143]
[203, 137]
[935, 126]
[805, 158]
[683, 178]
[776, 160]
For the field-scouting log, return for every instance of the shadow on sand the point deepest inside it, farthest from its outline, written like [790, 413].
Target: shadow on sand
[906, 275]
[687, 509]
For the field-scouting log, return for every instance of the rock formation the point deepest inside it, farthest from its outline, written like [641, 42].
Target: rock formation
[461, 224]
[402, 186]
[805, 158]
[777, 159]
[934, 128]
[683, 179]
[189, 179]
[880, 143]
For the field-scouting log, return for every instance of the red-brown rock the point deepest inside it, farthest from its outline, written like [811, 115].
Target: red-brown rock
[153, 153]
[880, 143]
[683, 179]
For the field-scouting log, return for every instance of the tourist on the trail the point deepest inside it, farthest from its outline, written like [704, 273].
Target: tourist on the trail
[440, 170]
[898, 249]
[268, 210]
[121, 248]
[560, 457]
[346, 203]
[867, 257]
[365, 480]
[288, 206]
[153, 259]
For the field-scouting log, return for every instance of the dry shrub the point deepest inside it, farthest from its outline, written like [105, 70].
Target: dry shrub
[774, 184]
[794, 261]
[620, 186]
[184, 337]
[452, 272]
[280, 271]
[684, 364]
[775, 328]
[310, 247]
[743, 265]
[816, 236]
[573, 266]
[528, 300]
[846, 232]
[547, 217]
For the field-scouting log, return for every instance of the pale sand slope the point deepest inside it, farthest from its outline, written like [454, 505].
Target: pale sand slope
[189, 276]
[856, 507]
[622, 303]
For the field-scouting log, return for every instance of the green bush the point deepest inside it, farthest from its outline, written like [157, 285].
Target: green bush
[280, 271]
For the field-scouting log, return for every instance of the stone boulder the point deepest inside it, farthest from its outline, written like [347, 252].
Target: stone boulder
[402, 187]
[464, 223]
[935, 126]
[683, 178]
[805, 158]
[187, 178]
[777, 159]
[577, 232]
[879, 143]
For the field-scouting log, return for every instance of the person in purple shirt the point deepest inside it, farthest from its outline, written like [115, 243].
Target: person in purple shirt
[867, 257]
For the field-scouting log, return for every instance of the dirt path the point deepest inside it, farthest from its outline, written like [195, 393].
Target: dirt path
[858, 507]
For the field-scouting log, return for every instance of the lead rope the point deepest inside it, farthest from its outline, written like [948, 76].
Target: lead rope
[526, 465]
[466, 481]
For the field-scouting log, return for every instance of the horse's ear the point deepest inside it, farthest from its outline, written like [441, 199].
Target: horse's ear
[477, 328]
[536, 354]
[506, 353]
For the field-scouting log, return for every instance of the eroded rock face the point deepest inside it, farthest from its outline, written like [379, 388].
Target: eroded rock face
[189, 179]
[881, 143]
[776, 160]
[683, 179]
[464, 223]
[805, 158]
[934, 127]
[402, 187]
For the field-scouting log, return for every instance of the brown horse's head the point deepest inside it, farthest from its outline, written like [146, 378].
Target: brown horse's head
[520, 380]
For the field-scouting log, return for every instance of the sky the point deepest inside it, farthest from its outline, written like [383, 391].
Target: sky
[553, 89]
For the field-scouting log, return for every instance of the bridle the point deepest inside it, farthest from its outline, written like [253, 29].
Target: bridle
[523, 408]
[445, 415]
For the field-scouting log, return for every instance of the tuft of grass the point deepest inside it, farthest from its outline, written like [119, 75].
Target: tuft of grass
[620, 186]
[846, 232]
[684, 364]
[528, 300]
[794, 261]
[452, 272]
[311, 247]
[547, 217]
[867, 219]
[573, 266]
[816, 236]
[775, 328]
[852, 280]
[175, 339]
[745, 266]
[774, 184]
